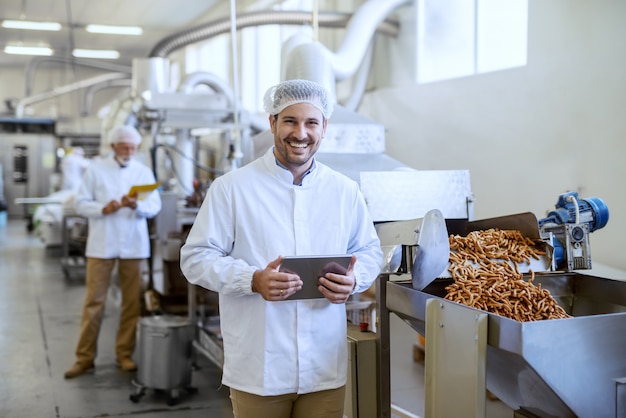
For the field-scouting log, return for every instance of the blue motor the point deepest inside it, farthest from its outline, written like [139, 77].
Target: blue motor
[570, 209]
[568, 226]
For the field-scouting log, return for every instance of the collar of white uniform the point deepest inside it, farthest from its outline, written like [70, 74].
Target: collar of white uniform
[284, 171]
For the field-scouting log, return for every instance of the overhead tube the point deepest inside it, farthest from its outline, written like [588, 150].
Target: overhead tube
[19, 110]
[33, 65]
[218, 85]
[359, 31]
[360, 28]
[91, 92]
[359, 84]
[221, 26]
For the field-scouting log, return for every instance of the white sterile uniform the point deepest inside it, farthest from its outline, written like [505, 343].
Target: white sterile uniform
[123, 234]
[251, 216]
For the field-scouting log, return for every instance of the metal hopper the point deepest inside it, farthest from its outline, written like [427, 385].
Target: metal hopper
[573, 367]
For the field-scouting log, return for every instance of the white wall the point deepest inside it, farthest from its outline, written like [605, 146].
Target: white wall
[527, 134]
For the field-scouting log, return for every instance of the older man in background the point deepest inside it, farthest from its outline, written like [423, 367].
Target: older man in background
[118, 234]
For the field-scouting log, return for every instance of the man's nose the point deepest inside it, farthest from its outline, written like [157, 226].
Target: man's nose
[301, 131]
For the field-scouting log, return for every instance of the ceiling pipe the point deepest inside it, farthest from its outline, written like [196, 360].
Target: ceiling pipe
[91, 91]
[220, 26]
[19, 110]
[359, 32]
[219, 86]
[300, 51]
[359, 84]
[208, 79]
[33, 65]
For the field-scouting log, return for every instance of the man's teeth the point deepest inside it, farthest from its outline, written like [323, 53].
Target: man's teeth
[298, 145]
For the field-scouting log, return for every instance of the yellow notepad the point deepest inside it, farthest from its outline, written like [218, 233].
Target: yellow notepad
[142, 190]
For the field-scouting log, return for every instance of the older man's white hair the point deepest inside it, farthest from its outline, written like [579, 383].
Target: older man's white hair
[126, 134]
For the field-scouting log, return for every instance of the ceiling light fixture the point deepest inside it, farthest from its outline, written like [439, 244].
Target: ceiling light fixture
[114, 30]
[110, 54]
[28, 25]
[28, 50]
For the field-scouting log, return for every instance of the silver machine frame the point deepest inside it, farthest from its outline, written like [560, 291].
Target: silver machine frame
[570, 367]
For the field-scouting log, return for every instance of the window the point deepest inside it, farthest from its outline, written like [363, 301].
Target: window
[458, 38]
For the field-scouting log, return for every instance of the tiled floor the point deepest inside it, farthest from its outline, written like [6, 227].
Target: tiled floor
[39, 318]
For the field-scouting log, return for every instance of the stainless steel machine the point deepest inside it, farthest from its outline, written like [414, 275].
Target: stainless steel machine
[27, 156]
[164, 347]
[571, 367]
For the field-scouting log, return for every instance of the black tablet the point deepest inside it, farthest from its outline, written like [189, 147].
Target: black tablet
[310, 269]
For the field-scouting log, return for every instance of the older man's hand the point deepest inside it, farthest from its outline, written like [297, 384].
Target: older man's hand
[111, 207]
[129, 201]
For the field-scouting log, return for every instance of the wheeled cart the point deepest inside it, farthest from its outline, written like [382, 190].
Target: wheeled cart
[165, 361]
[74, 239]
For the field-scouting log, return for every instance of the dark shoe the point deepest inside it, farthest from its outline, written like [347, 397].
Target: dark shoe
[79, 368]
[127, 365]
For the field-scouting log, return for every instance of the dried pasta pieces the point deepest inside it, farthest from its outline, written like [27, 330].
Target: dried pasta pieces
[484, 278]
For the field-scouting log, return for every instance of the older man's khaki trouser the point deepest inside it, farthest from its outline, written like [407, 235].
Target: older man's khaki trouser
[97, 284]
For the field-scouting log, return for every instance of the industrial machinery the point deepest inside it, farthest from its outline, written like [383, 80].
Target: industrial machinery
[27, 155]
[569, 367]
[567, 229]
[197, 129]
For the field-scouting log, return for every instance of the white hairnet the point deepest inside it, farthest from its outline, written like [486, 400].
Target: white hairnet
[126, 134]
[291, 92]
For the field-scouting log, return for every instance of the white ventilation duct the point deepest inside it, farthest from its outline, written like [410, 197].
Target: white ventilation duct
[90, 92]
[221, 26]
[103, 78]
[359, 32]
[311, 62]
[36, 62]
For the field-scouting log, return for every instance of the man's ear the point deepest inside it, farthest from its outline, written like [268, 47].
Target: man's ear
[272, 124]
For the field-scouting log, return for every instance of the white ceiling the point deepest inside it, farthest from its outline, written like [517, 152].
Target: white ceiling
[159, 18]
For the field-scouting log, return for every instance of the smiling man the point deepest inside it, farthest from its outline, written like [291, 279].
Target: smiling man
[299, 116]
[283, 358]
